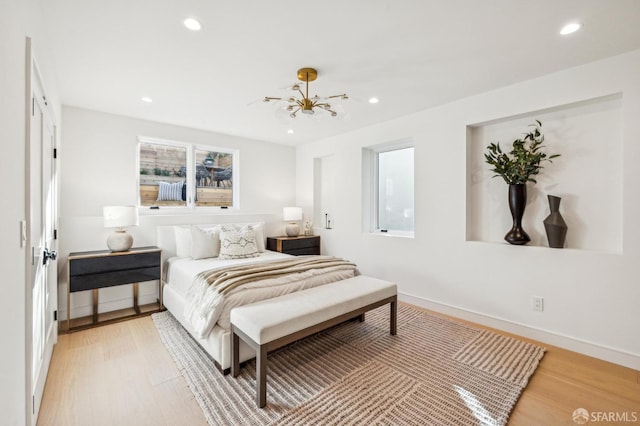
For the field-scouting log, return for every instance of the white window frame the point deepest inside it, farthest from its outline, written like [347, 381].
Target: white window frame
[190, 204]
[370, 181]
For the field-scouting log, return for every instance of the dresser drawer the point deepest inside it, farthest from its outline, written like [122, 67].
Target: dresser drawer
[97, 265]
[113, 278]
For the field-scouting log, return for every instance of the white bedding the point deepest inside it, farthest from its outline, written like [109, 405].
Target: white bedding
[181, 273]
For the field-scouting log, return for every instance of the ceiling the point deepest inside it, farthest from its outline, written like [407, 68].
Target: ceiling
[411, 54]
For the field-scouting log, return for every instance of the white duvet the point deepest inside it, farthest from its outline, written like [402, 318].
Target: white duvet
[205, 307]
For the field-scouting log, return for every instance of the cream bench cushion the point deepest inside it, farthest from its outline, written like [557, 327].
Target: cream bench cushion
[273, 323]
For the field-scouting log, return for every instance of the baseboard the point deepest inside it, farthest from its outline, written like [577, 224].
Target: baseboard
[584, 347]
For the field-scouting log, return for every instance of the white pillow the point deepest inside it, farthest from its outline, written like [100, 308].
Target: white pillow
[183, 241]
[205, 242]
[237, 244]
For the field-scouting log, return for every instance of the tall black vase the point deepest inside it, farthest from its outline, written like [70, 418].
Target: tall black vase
[554, 224]
[517, 203]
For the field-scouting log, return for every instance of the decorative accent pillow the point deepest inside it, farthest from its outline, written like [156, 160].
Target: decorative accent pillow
[183, 241]
[205, 242]
[237, 244]
[170, 191]
[258, 229]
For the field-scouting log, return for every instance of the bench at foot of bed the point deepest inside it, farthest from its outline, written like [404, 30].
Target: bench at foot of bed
[277, 322]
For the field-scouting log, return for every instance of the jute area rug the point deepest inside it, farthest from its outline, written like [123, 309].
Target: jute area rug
[435, 371]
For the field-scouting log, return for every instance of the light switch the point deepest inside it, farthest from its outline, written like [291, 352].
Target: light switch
[23, 233]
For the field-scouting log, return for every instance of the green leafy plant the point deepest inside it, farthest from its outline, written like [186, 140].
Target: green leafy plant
[523, 162]
[161, 172]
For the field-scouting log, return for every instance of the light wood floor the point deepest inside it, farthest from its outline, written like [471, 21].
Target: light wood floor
[121, 374]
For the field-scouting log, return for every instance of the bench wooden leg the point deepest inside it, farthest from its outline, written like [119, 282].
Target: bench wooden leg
[235, 354]
[393, 320]
[361, 317]
[261, 376]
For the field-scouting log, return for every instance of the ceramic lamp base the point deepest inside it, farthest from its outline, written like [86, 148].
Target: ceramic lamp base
[292, 229]
[119, 240]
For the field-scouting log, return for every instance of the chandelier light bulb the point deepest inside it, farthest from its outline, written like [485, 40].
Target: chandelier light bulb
[374, 100]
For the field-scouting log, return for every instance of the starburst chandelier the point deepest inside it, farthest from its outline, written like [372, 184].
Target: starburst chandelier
[307, 105]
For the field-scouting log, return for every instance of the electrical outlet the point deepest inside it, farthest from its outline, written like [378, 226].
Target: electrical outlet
[537, 303]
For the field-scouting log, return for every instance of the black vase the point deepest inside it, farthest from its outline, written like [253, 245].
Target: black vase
[517, 203]
[554, 224]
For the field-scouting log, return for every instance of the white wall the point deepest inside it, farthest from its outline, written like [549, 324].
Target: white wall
[98, 168]
[18, 20]
[592, 298]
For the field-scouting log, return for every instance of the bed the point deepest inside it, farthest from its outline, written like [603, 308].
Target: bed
[181, 267]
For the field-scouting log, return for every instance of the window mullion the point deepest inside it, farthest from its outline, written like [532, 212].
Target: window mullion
[191, 177]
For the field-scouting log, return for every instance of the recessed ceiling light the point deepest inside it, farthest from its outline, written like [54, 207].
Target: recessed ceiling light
[192, 24]
[570, 28]
[146, 99]
[374, 100]
[290, 131]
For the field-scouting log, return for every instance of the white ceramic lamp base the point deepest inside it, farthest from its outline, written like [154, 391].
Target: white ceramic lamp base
[292, 229]
[119, 240]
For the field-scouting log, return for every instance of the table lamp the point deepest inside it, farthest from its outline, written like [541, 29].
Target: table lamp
[292, 215]
[120, 217]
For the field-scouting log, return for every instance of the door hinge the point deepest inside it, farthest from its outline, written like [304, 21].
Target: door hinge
[55, 315]
[55, 153]
[44, 99]
[33, 106]
[55, 234]
[33, 404]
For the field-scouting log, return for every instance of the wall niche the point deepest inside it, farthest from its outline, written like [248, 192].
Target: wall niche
[588, 175]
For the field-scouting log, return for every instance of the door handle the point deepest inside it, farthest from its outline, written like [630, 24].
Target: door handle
[48, 255]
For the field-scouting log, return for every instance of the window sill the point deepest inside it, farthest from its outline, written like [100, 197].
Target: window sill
[173, 211]
[396, 234]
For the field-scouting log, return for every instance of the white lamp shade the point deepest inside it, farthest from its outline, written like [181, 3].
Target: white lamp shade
[120, 216]
[292, 213]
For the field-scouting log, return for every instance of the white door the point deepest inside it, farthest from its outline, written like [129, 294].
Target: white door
[42, 221]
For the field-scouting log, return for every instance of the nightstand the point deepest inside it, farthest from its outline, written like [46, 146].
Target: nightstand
[93, 270]
[295, 245]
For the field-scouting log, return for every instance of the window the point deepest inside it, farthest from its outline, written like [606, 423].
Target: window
[161, 174]
[214, 178]
[388, 189]
[176, 174]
